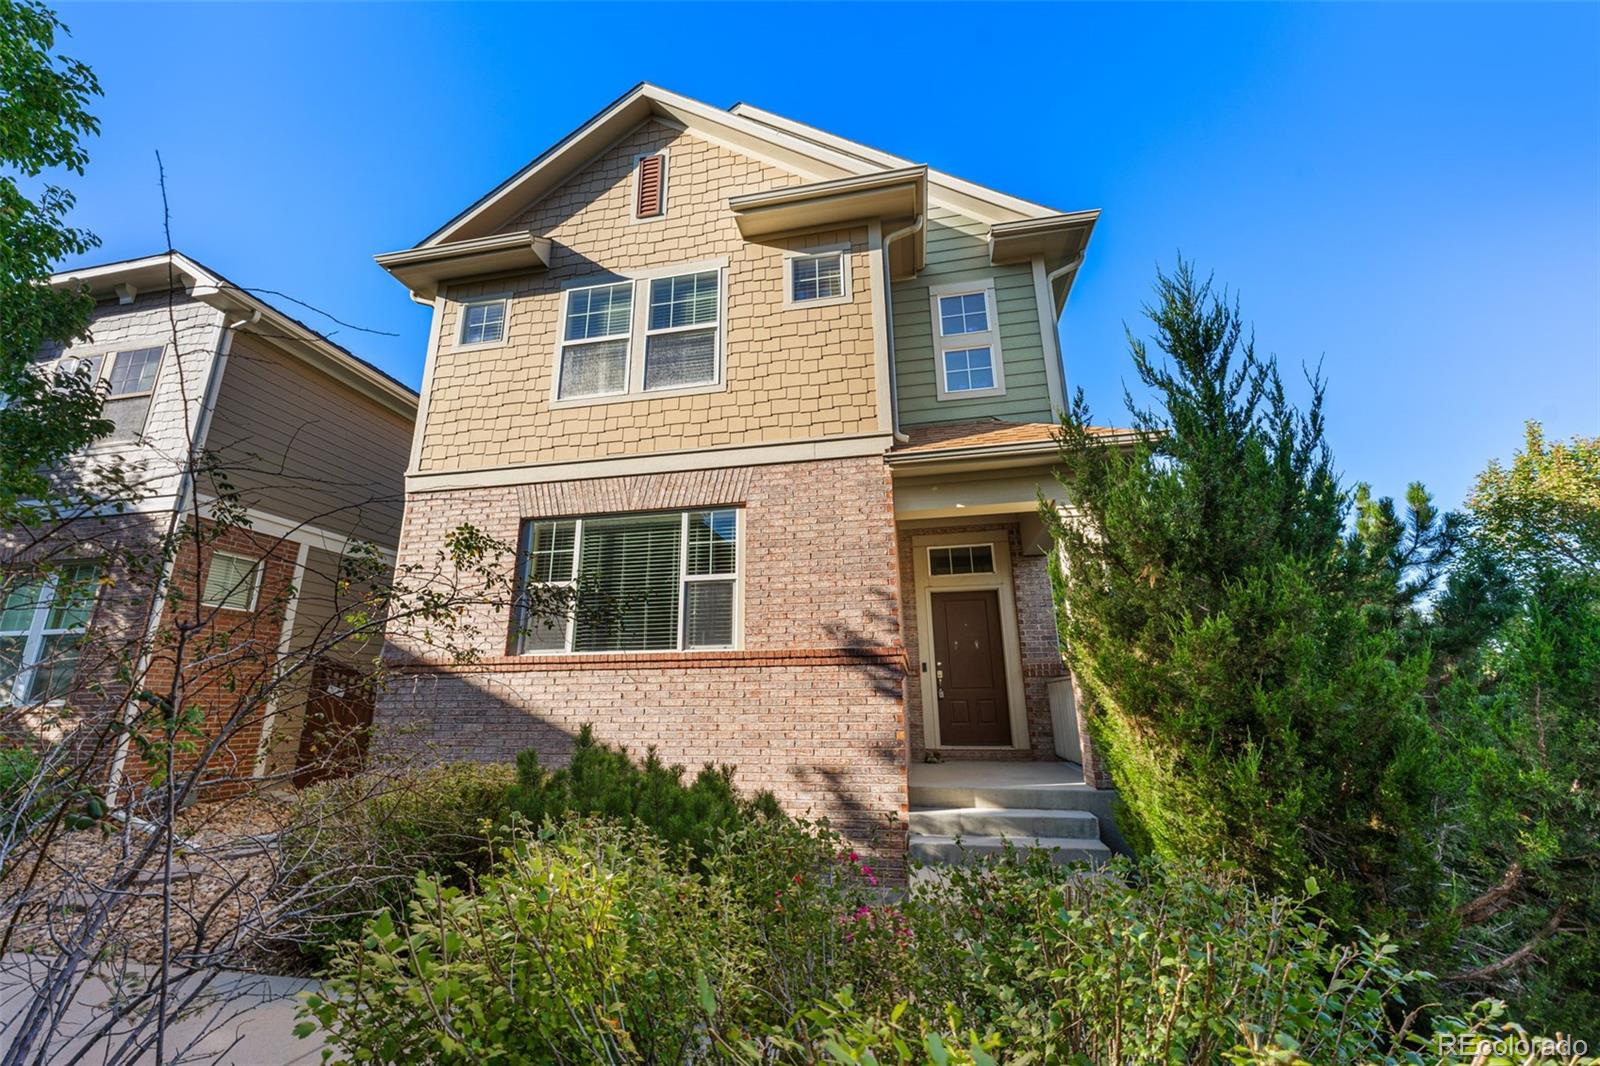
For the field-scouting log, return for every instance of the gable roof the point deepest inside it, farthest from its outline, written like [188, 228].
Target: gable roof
[157, 273]
[804, 150]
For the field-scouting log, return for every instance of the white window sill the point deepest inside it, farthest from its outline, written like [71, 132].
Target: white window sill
[970, 394]
[638, 397]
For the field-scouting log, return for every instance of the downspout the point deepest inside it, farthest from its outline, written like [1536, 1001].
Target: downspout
[888, 315]
[1055, 320]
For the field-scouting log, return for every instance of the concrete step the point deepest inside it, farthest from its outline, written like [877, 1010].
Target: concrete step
[948, 851]
[1003, 822]
[1002, 797]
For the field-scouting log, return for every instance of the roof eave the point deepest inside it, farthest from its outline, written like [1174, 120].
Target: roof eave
[424, 270]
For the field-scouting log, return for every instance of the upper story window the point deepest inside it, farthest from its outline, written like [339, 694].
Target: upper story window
[483, 322]
[645, 582]
[646, 335]
[650, 186]
[232, 582]
[130, 381]
[41, 626]
[818, 278]
[966, 341]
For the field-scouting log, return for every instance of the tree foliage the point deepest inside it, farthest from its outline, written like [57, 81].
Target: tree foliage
[44, 121]
[1252, 695]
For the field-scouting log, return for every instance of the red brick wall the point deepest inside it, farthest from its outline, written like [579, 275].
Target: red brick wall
[811, 707]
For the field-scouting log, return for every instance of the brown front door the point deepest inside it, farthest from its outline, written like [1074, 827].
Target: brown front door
[969, 668]
[333, 740]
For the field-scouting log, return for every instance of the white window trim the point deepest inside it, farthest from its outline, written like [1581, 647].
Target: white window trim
[639, 333]
[737, 578]
[990, 339]
[795, 255]
[504, 300]
[33, 643]
[259, 566]
[107, 354]
[633, 189]
[926, 584]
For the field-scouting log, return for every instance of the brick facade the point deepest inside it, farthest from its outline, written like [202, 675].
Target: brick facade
[811, 706]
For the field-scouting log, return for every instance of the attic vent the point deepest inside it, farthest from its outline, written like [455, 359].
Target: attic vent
[651, 188]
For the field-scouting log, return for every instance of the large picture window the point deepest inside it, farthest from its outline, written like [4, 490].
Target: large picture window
[646, 335]
[41, 626]
[664, 581]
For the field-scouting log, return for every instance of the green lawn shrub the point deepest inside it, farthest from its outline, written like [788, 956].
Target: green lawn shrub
[355, 846]
[605, 781]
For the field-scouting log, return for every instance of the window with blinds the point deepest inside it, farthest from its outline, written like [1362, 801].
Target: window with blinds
[664, 581]
[649, 335]
[231, 582]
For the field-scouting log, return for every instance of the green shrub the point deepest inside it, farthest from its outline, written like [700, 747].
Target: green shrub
[598, 942]
[356, 845]
[603, 780]
[590, 945]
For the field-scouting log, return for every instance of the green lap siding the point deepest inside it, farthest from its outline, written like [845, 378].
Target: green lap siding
[958, 250]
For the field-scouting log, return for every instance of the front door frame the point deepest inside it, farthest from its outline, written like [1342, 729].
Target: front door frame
[999, 541]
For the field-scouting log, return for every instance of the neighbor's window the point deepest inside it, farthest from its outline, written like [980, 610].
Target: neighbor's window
[232, 582]
[483, 322]
[968, 344]
[676, 344]
[814, 278]
[41, 626]
[961, 559]
[648, 582]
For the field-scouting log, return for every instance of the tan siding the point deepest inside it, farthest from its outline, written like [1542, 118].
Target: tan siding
[297, 444]
[791, 374]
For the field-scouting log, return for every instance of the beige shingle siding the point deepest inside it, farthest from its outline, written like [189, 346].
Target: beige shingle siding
[958, 250]
[299, 445]
[796, 374]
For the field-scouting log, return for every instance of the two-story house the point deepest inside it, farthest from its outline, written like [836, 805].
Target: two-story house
[212, 393]
[785, 402]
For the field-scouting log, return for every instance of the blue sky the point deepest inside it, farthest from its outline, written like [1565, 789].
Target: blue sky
[1409, 194]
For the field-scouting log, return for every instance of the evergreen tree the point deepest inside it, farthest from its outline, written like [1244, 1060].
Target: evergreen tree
[1248, 683]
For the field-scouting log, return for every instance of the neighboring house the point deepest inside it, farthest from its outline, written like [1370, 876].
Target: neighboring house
[788, 401]
[313, 440]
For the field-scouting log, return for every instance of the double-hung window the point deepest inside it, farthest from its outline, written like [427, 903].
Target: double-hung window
[664, 581]
[130, 381]
[41, 626]
[967, 342]
[640, 336]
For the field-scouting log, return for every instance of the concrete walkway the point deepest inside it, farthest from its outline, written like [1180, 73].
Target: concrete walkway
[242, 1018]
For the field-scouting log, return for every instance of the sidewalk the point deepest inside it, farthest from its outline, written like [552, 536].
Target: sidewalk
[242, 1018]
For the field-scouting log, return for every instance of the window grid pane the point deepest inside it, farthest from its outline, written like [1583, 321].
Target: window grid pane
[819, 277]
[484, 323]
[965, 313]
[713, 547]
[685, 300]
[134, 372]
[968, 369]
[603, 311]
[550, 551]
[961, 559]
